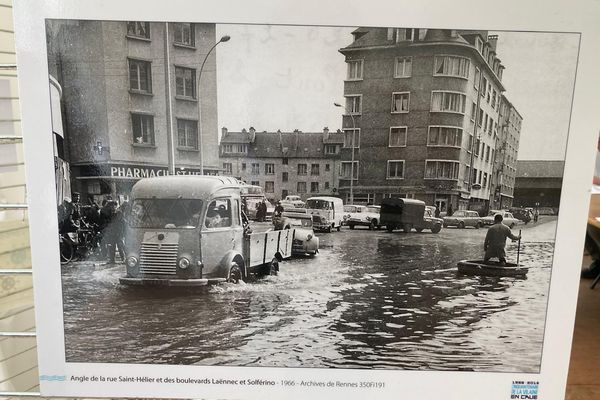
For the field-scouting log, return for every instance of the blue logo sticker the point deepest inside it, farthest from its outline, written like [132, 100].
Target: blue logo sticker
[525, 390]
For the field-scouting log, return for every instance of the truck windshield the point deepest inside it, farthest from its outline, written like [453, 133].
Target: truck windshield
[318, 204]
[165, 213]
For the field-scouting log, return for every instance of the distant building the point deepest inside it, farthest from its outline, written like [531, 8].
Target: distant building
[538, 183]
[131, 102]
[283, 163]
[423, 107]
[507, 148]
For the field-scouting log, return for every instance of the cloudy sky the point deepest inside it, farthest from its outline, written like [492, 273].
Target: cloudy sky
[287, 77]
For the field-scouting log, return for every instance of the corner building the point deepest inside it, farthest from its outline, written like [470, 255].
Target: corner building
[422, 107]
[131, 101]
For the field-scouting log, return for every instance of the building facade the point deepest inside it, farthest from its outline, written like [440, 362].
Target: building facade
[132, 106]
[284, 163]
[507, 149]
[538, 183]
[422, 107]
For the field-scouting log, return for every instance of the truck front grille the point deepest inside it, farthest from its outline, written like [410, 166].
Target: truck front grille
[159, 258]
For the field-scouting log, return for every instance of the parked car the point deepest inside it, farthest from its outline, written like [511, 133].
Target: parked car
[408, 214]
[521, 214]
[463, 218]
[507, 220]
[293, 200]
[304, 239]
[362, 216]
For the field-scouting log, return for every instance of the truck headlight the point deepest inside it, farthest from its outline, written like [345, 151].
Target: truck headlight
[131, 261]
[183, 263]
[309, 236]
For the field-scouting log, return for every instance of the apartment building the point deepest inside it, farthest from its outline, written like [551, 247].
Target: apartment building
[132, 105]
[284, 163]
[422, 109]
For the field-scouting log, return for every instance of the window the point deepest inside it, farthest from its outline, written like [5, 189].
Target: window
[302, 169]
[494, 98]
[477, 142]
[349, 137]
[331, 149]
[395, 169]
[301, 187]
[444, 136]
[485, 122]
[484, 85]
[218, 214]
[487, 154]
[448, 102]
[404, 34]
[474, 175]
[228, 168]
[243, 166]
[489, 92]
[255, 168]
[183, 34]
[138, 29]
[479, 45]
[284, 176]
[314, 187]
[140, 76]
[470, 143]
[397, 136]
[477, 77]
[269, 187]
[441, 169]
[480, 117]
[185, 82]
[353, 104]
[346, 170]
[142, 126]
[467, 176]
[403, 67]
[187, 133]
[269, 169]
[355, 70]
[451, 66]
[326, 185]
[473, 111]
[314, 169]
[327, 168]
[284, 161]
[400, 102]
[255, 183]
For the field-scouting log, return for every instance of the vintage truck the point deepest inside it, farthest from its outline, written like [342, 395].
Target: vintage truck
[189, 231]
[408, 214]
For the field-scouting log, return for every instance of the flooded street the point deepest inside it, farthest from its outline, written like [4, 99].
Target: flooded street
[370, 299]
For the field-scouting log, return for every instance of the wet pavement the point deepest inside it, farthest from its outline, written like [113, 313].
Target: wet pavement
[369, 299]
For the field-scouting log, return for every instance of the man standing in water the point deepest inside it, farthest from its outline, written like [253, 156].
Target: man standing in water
[495, 240]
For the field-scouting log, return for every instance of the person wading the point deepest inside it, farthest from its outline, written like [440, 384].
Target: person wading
[495, 240]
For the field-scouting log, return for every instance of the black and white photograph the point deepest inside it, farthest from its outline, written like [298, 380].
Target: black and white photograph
[307, 196]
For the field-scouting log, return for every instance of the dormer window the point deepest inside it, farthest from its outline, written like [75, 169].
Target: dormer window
[404, 34]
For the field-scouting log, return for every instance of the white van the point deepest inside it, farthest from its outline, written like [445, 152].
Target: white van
[327, 212]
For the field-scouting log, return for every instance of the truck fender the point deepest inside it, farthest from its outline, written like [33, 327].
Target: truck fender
[230, 257]
[278, 257]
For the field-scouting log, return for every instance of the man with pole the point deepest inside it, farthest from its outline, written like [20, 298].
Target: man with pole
[495, 240]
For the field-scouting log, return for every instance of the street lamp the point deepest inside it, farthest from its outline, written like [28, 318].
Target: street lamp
[352, 159]
[224, 38]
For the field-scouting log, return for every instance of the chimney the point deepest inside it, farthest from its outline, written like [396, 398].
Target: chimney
[325, 133]
[493, 41]
[252, 135]
[223, 132]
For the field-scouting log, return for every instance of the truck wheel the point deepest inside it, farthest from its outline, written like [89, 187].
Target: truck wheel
[339, 228]
[436, 228]
[478, 225]
[372, 225]
[351, 226]
[419, 230]
[406, 228]
[329, 229]
[461, 225]
[235, 273]
[390, 228]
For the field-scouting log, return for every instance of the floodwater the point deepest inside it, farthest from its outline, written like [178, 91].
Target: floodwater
[370, 299]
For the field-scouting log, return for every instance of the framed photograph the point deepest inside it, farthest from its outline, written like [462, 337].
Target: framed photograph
[328, 200]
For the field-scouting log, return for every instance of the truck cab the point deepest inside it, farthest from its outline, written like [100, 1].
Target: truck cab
[327, 212]
[188, 230]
